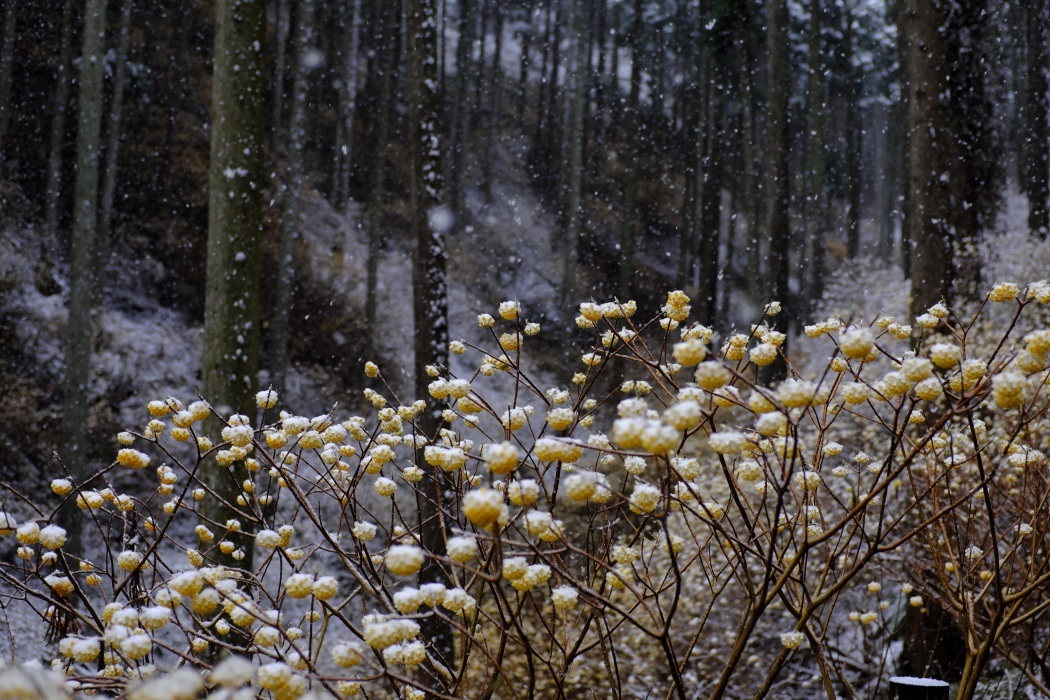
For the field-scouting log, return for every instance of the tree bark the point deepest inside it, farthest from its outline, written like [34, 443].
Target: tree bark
[815, 196]
[632, 156]
[280, 329]
[75, 398]
[1036, 144]
[928, 136]
[59, 105]
[348, 106]
[853, 138]
[711, 206]
[235, 214]
[574, 159]
[113, 139]
[778, 193]
[429, 295]
[7, 63]
[386, 64]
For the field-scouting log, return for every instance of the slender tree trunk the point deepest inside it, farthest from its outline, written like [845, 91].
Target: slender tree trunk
[749, 137]
[1036, 148]
[903, 116]
[388, 47]
[551, 146]
[113, 139]
[59, 105]
[283, 22]
[495, 76]
[853, 138]
[815, 199]
[574, 178]
[632, 155]
[541, 99]
[693, 144]
[778, 194]
[600, 89]
[280, 329]
[711, 208]
[460, 112]
[7, 63]
[235, 216]
[430, 297]
[526, 59]
[75, 398]
[349, 103]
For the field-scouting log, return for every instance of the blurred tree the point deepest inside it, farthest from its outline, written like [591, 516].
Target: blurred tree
[280, 328]
[1037, 147]
[114, 135]
[778, 184]
[632, 128]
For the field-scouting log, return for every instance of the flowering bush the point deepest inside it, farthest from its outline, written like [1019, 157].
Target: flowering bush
[689, 528]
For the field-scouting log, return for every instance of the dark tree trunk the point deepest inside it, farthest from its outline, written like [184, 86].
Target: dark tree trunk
[928, 153]
[574, 177]
[7, 63]
[720, 39]
[387, 42]
[59, 105]
[815, 194]
[632, 156]
[235, 217]
[280, 329]
[348, 104]
[113, 139]
[778, 185]
[430, 299]
[853, 138]
[75, 398]
[1037, 185]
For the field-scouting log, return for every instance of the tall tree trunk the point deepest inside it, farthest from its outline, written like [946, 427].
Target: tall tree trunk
[348, 103]
[7, 63]
[526, 62]
[778, 192]
[693, 143]
[853, 137]
[541, 98]
[280, 329]
[235, 220]
[928, 152]
[574, 179]
[283, 22]
[386, 63]
[495, 77]
[429, 295]
[460, 113]
[632, 155]
[75, 399]
[59, 105]
[1037, 185]
[902, 113]
[113, 139]
[711, 207]
[749, 138]
[815, 196]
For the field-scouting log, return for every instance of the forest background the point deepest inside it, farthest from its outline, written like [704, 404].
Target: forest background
[547, 150]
